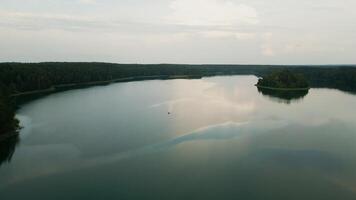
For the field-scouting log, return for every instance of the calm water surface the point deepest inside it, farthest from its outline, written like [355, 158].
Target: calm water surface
[223, 139]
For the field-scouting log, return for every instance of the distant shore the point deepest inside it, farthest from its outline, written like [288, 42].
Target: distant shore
[6, 136]
[284, 89]
[127, 79]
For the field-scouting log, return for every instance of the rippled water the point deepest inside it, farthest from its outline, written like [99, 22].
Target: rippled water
[213, 138]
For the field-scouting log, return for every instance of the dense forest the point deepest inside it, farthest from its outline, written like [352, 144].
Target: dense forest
[18, 78]
[7, 111]
[283, 79]
[27, 77]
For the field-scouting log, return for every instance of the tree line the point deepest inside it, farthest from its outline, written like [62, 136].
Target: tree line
[283, 79]
[23, 77]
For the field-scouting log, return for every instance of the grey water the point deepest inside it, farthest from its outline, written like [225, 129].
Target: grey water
[210, 138]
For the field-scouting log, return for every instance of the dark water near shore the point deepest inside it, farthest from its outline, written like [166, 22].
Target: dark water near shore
[223, 139]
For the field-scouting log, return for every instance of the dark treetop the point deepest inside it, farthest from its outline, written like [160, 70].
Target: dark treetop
[284, 79]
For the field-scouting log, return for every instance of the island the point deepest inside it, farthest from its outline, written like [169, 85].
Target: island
[283, 80]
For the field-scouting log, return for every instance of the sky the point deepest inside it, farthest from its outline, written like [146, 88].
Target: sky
[179, 31]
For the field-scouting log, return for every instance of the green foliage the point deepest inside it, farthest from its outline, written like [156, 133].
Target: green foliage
[20, 77]
[24, 77]
[7, 121]
[342, 78]
[284, 79]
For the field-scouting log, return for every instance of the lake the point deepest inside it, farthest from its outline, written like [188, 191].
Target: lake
[210, 138]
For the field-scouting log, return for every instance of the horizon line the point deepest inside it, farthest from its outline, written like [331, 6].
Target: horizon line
[116, 63]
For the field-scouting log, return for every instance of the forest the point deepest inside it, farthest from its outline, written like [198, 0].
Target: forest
[7, 111]
[18, 78]
[283, 79]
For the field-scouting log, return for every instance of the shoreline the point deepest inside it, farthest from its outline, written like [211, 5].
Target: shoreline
[283, 89]
[94, 83]
[62, 87]
[8, 135]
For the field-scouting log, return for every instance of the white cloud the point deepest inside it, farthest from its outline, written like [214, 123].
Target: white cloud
[87, 1]
[180, 31]
[228, 34]
[245, 36]
[31, 15]
[36, 21]
[212, 12]
[267, 50]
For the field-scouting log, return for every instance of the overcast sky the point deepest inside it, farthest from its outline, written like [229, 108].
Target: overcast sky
[179, 31]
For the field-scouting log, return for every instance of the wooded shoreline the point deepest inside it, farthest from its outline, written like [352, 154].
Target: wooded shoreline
[22, 79]
[284, 89]
[128, 79]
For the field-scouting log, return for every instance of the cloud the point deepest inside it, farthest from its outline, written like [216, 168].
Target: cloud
[228, 34]
[183, 31]
[211, 12]
[267, 51]
[30, 20]
[20, 20]
[87, 1]
[267, 46]
[312, 43]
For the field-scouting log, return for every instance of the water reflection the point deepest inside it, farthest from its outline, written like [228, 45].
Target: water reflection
[284, 96]
[301, 158]
[7, 149]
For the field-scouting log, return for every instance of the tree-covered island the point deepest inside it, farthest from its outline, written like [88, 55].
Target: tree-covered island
[283, 80]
